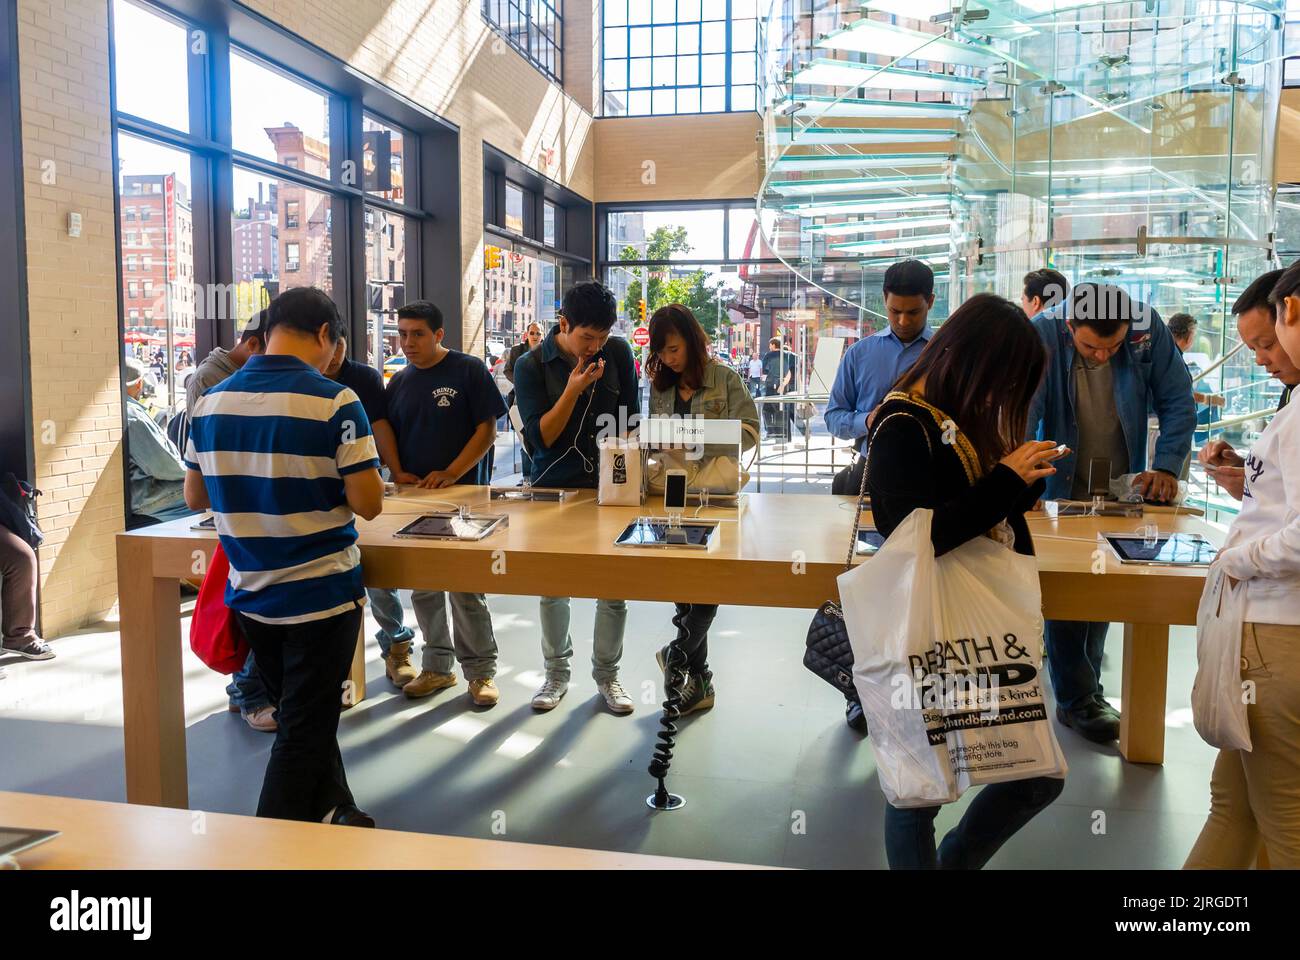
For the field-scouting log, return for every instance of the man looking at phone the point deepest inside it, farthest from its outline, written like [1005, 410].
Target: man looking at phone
[578, 385]
[1256, 325]
[1110, 359]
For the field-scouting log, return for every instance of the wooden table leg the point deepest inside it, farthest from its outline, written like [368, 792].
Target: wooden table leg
[153, 684]
[1146, 680]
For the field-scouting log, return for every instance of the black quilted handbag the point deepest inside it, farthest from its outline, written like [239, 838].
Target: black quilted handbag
[829, 655]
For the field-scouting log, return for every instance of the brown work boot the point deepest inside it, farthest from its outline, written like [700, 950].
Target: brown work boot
[484, 692]
[427, 683]
[398, 664]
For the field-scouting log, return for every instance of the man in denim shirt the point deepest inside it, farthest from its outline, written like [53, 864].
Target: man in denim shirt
[1110, 360]
[578, 383]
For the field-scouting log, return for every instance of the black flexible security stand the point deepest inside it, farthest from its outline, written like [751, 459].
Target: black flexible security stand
[674, 685]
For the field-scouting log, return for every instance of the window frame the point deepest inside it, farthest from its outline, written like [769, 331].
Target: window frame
[431, 151]
[524, 8]
[729, 54]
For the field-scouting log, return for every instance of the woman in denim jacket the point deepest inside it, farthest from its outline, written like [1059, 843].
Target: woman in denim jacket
[686, 381]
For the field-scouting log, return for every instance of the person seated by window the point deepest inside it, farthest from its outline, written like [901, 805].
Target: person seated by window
[18, 599]
[157, 475]
[686, 381]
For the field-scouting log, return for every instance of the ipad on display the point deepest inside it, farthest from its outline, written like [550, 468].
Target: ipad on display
[656, 533]
[1167, 550]
[450, 526]
[17, 839]
[869, 541]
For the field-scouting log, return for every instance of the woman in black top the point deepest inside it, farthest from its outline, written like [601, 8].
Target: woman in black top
[948, 439]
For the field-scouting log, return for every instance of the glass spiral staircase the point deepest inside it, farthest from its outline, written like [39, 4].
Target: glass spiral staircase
[1128, 143]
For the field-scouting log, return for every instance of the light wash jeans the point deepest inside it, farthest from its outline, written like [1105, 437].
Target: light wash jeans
[607, 646]
[475, 645]
[386, 605]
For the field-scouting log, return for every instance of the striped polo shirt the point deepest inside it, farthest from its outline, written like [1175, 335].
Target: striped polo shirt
[274, 442]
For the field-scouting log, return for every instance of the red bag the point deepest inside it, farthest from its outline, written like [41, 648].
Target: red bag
[215, 636]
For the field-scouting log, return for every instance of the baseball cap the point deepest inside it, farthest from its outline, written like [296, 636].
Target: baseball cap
[132, 371]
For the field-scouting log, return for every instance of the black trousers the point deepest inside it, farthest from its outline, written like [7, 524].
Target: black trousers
[778, 418]
[692, 622]
[304, 667]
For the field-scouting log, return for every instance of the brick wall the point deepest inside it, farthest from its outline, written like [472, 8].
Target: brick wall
[677, 158]
[76, 400]
[439, 53]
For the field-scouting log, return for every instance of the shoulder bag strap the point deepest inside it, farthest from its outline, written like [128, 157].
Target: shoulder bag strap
[862, 490]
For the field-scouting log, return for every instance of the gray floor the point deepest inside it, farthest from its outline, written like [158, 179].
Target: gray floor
[771, 774]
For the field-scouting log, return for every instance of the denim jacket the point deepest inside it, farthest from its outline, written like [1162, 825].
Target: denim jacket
[722, 397]
[1149, 374]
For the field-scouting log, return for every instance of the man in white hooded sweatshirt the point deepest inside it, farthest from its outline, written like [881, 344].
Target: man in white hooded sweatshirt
[1255, 794]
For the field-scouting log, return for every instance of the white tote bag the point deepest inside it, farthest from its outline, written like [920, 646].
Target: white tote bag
[620, 473]
[1218, 704]
[947, 664]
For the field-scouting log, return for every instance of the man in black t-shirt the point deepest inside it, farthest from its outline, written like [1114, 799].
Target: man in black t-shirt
[443, 406]
[395, 638]
[778, 378]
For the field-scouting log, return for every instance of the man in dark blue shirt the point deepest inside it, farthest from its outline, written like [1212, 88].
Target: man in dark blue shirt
[394, 636]
[578, 384]
[443, 407]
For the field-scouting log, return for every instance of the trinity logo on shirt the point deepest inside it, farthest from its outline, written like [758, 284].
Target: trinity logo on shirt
[445, 395]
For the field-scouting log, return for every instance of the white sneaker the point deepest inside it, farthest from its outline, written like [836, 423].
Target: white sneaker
[551, 693]
[616, 697]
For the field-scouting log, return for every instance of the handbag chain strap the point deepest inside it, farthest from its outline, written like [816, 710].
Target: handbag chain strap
[862, 489]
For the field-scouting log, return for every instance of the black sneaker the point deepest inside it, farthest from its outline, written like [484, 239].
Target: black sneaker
[854, 717]
[1091, 722]
[697, 696]
[351, 816]
[33, 649]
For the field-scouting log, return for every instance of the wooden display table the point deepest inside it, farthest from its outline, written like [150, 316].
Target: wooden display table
[782, 550]
[98, 835]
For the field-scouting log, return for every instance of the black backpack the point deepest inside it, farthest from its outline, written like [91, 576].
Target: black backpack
[18, 509]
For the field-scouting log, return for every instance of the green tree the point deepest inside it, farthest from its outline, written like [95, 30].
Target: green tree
[659, 287]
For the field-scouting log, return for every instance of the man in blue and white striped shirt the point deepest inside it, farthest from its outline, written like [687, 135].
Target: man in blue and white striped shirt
[284, 457]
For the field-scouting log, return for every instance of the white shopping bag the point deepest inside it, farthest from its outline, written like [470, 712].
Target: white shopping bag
[947, 664]
[1218, 704]
[620, 473]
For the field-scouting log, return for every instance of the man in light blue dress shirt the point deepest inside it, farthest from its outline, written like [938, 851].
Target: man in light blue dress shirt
[869, 368]
[873, 364]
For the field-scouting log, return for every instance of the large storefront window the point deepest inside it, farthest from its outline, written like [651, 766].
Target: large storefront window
[158, 291]
[214, 224]
[713, 259]
[521, 285]
[680, 56]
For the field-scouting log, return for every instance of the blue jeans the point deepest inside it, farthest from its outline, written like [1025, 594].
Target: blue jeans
[1074, 652]
[246, 689]
[607, 645]
[996, 813]
[386, 605]
[473, 643]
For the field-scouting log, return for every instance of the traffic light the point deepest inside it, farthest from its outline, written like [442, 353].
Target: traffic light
[491, 258]
[642, 309]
